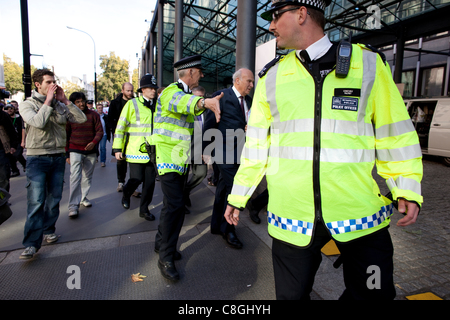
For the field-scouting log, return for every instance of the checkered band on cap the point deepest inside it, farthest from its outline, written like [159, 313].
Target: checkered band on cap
[191, 64]
[318, 4]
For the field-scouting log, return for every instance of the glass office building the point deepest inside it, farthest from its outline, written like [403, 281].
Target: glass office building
[211, 28]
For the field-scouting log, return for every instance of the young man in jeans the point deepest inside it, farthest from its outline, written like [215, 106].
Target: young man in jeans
[45, 115]
[82, 153]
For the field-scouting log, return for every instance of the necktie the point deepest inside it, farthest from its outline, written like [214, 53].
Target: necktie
[305, 56]
[242, 105]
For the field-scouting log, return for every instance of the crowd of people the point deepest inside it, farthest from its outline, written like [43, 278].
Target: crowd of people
[58, 130]
[315, 134]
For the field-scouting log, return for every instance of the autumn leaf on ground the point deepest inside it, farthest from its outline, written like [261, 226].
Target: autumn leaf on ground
[137, 277]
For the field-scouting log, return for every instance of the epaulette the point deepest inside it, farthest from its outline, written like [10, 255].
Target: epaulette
[269, 65]
[373, 49]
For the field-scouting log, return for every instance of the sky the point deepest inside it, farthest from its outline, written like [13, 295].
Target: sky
[115, 25]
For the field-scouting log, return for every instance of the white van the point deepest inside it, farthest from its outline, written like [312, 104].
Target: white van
[431, 118]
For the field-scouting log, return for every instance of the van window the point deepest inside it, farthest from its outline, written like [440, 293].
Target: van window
[421, 113]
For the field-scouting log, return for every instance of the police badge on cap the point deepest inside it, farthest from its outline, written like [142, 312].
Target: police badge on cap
[278, 4]
[147, 81]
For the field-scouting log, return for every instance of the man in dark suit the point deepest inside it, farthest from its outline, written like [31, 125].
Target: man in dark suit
[235, 109]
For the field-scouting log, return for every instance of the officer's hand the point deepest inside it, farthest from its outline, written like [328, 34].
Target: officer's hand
[119, 156]
[232, 215]
[213, 104]
[412, 212]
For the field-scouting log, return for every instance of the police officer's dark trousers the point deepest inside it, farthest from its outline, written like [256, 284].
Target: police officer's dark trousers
[295, 268]
[146, 173]
[172, 215]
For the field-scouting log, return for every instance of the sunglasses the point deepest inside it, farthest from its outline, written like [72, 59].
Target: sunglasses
[277, 14]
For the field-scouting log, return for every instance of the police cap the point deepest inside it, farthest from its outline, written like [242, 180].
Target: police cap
[147, 81]
[188, 63]
[278, 4]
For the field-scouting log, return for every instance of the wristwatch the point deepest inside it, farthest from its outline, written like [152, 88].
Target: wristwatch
[202, 106]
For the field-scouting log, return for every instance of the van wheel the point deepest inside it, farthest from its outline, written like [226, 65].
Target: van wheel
[446, 161]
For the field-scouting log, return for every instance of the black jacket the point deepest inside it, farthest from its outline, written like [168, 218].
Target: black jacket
[5, 121]
[232, 119]
[115, 109]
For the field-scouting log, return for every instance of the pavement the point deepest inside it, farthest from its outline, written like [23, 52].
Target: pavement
[97, 254]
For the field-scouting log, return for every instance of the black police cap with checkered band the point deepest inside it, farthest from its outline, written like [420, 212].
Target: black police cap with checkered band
[189, 62]
[278, 4]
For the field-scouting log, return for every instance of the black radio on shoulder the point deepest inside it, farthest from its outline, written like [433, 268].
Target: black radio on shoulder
[344, 55]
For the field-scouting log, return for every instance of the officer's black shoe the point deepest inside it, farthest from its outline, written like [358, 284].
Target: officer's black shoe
[232, 240]
[147, 216]
[253, 213]
[168, 270]
[126, 202]
[176, 256]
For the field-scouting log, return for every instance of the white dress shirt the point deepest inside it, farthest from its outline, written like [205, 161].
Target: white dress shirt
[185, 86]
[238, 95]
[318, 49]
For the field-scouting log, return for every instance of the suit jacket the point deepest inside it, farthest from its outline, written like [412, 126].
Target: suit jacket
[197, 139]
[232, 142]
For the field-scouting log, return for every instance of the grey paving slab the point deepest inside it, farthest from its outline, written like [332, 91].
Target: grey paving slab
[109, 244]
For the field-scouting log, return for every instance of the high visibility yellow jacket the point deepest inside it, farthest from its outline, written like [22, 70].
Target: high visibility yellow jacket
[318, 142]
[174, 127]
[136, 122]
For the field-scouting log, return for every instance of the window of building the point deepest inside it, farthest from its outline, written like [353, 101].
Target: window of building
[432, 83]
[408, 80]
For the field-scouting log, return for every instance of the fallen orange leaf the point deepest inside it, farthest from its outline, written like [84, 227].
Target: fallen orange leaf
[137, 277]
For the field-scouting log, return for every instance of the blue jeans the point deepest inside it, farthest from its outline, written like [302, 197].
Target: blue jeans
[45, 176]
[102, 146]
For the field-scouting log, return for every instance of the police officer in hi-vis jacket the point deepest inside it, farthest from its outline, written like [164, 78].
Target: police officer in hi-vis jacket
[322, 117]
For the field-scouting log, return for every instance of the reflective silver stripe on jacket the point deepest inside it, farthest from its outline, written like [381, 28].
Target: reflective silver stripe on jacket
[173, 104]
[326, 155]
[137, 112]
[405, 184]
[395, 129]
[242, 190]
[174, 135]
[124, 120]
[399, 154]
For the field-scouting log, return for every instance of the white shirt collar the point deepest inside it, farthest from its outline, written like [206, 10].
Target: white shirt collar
[237, 93]
[318, 49]
[145, 99]
[185, 86]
